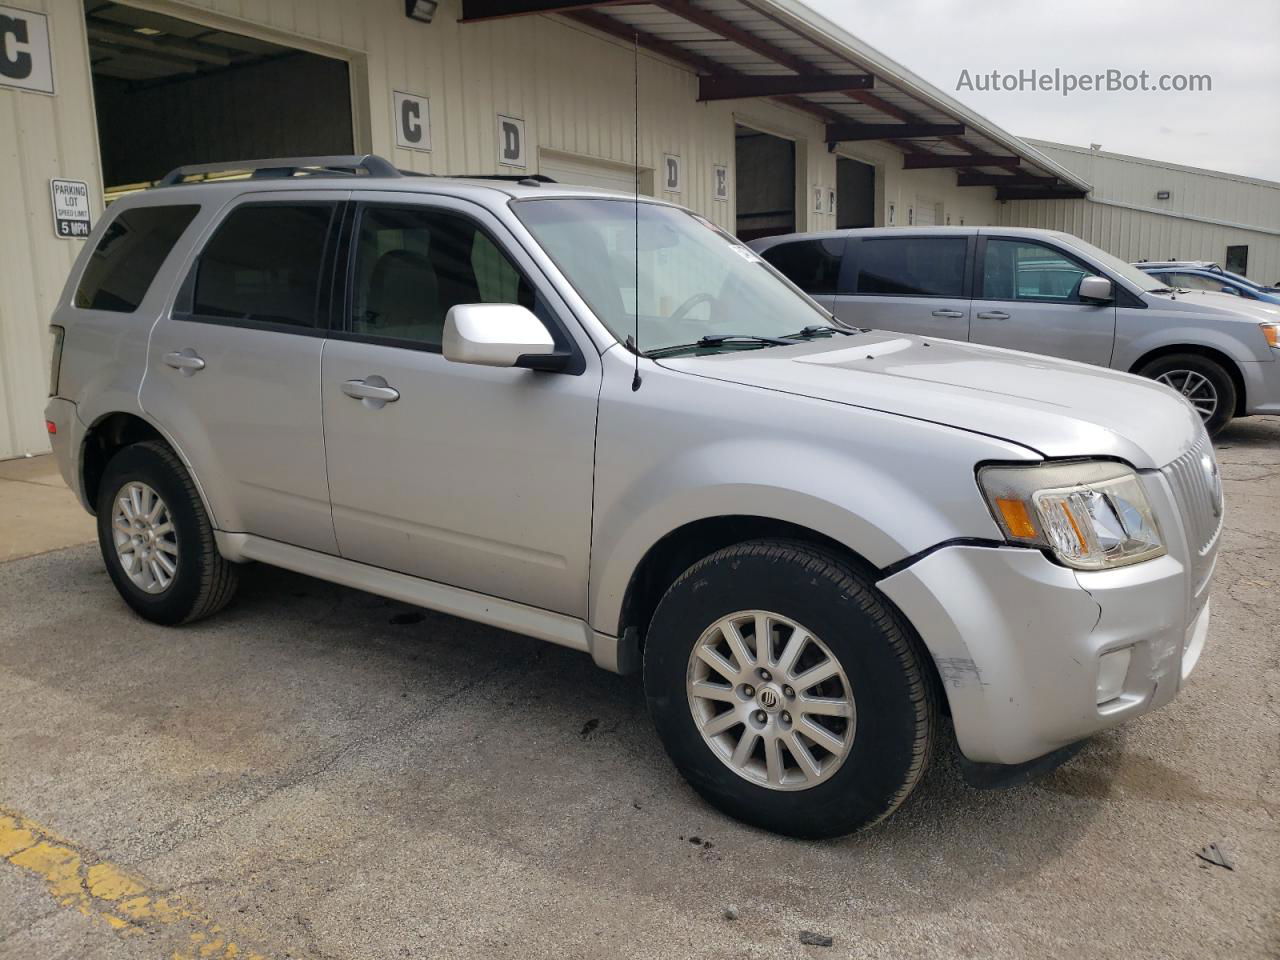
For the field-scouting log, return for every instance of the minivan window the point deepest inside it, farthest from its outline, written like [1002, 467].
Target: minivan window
[413, 264]
[129, 255]
[263, 265]
[1022, 270]
[911, 266]
[812, 265]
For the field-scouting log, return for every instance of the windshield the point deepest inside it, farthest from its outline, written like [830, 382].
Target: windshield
[695, 280]
[1139, 278]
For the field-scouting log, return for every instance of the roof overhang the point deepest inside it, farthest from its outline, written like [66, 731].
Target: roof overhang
[782, 50]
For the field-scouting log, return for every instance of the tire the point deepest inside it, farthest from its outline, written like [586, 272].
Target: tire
[201, 582]
[887, 740]
[1176, 370]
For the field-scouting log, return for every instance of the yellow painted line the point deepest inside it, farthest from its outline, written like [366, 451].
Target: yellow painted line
[111, 895]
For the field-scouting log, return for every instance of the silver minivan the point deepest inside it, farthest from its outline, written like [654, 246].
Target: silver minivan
[1043, 291]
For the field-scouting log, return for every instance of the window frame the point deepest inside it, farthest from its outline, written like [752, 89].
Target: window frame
[980, 263]
[851, 267]
[344, 281]
[184, 303]
[838, 257]
[92, 249]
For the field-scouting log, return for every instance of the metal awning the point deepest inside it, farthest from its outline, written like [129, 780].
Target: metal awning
[782, 50]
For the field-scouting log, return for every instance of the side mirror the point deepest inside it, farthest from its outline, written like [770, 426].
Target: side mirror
[1096, 288]
[499, 335]
[1231, 290]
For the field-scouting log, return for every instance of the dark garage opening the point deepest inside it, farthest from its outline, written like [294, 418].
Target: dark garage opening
[855, 194]
[169, 92]
[765, 168]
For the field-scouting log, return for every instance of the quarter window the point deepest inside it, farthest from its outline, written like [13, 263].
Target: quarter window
[263, 265]
[129, 255]
[413, 264]
[812, 265]
[1019, 270]
[911, 266]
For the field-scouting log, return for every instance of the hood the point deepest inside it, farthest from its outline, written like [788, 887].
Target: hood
[1057, 408]
[1219, 306]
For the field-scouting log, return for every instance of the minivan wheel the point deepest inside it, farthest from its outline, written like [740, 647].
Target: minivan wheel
[156, 538]
[1203, 382]
[787, 691]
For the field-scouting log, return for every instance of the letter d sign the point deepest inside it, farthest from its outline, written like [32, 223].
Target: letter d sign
[511, 141]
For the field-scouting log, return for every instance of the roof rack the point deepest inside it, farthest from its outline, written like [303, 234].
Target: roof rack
[282, 167]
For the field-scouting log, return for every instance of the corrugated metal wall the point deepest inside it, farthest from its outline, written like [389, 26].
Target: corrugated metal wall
[1124, 216]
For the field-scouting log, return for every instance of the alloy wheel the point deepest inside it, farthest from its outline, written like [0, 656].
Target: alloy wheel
[1197, 388]
[145, 539]
[771, 700]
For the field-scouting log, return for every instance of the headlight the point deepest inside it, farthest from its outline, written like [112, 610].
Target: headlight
[1272, 332]
[1091, 514]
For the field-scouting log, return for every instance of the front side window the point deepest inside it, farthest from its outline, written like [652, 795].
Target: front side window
[263, 265]
[414, 264]
[911, 266]
[683, 280]
[812, 265]
[1022, 270]
[129, 255]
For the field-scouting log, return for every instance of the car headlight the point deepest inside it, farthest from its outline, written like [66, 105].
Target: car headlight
[1091, 514]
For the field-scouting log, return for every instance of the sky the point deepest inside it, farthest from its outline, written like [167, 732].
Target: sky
[1234, 127]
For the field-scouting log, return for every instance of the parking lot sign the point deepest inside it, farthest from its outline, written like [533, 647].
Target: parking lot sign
[71, 218]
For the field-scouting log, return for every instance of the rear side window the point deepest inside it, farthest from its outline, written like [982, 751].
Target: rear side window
[911, 266]
[263, 265]
[812, 265]
[129, 256]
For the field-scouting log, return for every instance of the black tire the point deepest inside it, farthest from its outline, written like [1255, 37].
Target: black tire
[894, 696]
[204, 582]
[1225, 387]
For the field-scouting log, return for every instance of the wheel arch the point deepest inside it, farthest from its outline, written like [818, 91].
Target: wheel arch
[1209, 353]
[108, 435]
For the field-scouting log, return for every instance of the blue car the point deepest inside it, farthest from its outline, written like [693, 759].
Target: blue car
[1202, 275]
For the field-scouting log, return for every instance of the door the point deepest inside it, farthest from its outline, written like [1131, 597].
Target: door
[233, 374]
[1029, 300]
[910, 284]
[477, 477]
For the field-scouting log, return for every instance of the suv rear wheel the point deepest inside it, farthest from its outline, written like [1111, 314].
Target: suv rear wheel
[1203, 382]
[156, 538]
[788, 693]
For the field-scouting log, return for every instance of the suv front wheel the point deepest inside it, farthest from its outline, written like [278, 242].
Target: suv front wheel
[156, 538]
[787, 692]
[1204, 383]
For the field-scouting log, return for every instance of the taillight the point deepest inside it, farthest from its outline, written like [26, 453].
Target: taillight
[55, 357]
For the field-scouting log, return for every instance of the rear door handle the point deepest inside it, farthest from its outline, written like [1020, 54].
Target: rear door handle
[993, 315]
[373, 390]
[950, 314]
[186, 360]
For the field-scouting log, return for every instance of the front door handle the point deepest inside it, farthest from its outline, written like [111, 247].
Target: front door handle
[373, 391]
[949, 314]
[993, 315]
[186, 360]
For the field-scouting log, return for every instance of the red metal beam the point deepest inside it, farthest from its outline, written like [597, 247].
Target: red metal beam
[936, 161]
[475, 11]
[849, 132]
[1038, 193]
[740, 86]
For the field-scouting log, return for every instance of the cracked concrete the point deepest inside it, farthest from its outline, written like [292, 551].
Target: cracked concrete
[324, 777]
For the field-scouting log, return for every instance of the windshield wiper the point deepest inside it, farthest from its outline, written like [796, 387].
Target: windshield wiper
[719, 340]
[821, 330]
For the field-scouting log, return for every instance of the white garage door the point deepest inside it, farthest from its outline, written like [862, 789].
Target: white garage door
[586, 172]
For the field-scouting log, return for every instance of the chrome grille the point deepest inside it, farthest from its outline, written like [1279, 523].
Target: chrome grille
[1197, 487]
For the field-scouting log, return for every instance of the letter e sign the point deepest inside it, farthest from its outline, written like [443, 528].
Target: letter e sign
[511, 141]
[412, 118]
[25, 60]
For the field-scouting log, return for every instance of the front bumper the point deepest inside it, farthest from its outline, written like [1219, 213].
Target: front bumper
[1018, 642]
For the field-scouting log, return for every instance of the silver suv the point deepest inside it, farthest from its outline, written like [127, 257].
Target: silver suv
[1044, 292]
[605, 423]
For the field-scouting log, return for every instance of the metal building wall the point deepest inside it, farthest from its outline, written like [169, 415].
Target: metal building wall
[1206, 212]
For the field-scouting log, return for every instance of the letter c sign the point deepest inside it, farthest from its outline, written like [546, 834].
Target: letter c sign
[412, 117]
[25, 60]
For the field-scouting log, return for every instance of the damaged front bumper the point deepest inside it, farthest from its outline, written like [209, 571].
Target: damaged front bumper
[1022, 644]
